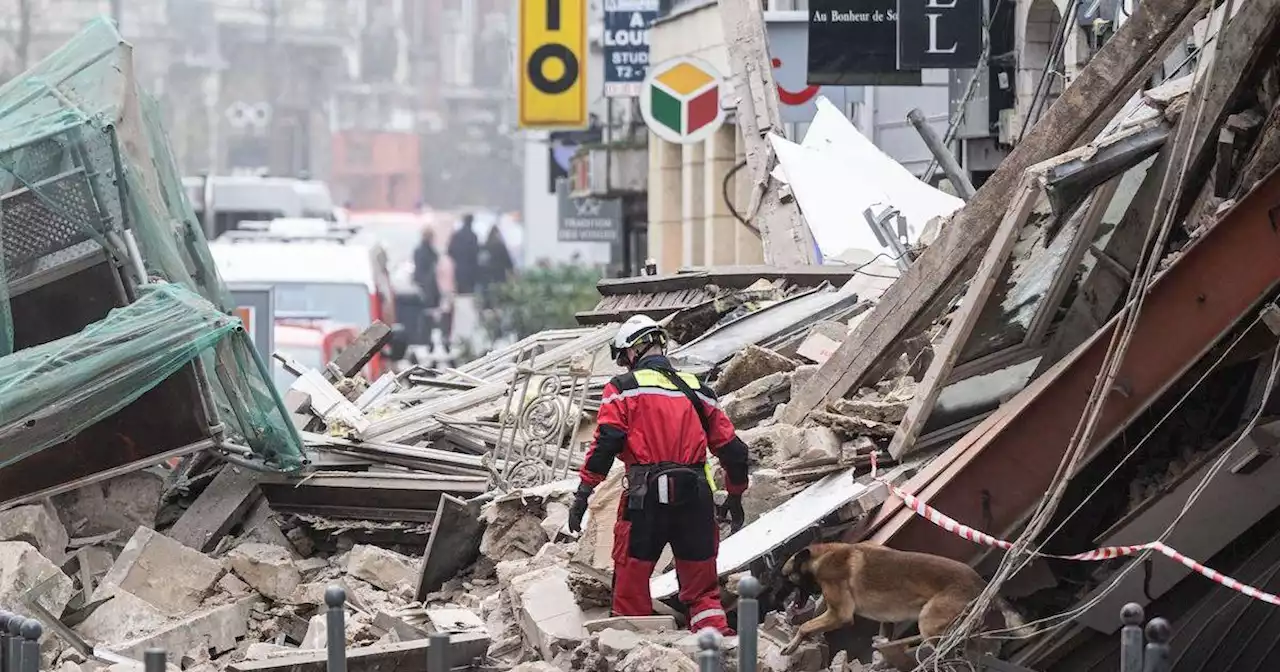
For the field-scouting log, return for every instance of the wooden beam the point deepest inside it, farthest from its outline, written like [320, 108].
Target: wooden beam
[454, 544]
[222, 505]
[787, 240]
[1265, 156]
[1014, 454]
[464, 649]
[369, 343]
[1115, 73]
[1102, 292]
[965, 319]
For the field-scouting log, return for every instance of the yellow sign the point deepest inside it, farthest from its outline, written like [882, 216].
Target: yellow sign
[553, 77]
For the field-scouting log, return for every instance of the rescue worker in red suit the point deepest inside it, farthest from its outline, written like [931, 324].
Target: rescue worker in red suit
[660, 423]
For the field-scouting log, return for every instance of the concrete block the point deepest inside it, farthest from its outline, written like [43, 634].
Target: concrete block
[632, 623]
[618, 643]
[122, 503]
[38, 525]
[551, 619]
[233, 586]
[750, 365]
[311, 567]
[122, 618]
[23, 568]
[164, 573]
[263, 650]
[216, 629]
[385, 569]
[650, 657]
[269, 569]
[455, 620]
[317, 636]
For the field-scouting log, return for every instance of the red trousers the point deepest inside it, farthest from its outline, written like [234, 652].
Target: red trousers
[639, 538]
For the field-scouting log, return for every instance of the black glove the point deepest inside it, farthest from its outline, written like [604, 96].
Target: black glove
[579, 508]
[732, 509]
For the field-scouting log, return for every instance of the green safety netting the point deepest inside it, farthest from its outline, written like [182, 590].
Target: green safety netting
[86, 176]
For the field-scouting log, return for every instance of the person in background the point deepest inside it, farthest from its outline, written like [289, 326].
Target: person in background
[495, 263]
[425, 266]
[464, 249]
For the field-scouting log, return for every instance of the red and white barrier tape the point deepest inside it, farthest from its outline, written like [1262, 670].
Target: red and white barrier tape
[1107, 553]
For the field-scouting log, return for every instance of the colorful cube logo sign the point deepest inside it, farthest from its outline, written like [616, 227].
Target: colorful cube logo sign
[680, 100]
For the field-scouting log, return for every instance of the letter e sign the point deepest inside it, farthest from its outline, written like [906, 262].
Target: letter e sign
[552, 76]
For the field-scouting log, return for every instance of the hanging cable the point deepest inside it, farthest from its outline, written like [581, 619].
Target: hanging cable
[1021, 554]
[728, 202]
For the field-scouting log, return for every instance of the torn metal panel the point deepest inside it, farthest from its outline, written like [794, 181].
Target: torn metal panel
[1068, 183]
[722, 344]
[1014, 453]
[784, 523]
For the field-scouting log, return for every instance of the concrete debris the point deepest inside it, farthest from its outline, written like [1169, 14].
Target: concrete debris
[888, 410]
[23, 568]
[122, 503]
[648, 624]
[595, 546]
[269, 569]
[750, 365]
[455, 620]
[650, 657]
[383, 568]
[38, 525]
[123, 617]
[164, 573]
[589, 589]
[768, 490]
[550, 617]
[514, 528]
[216, 629]
[757, 401]
[618, 643]
[536, 666]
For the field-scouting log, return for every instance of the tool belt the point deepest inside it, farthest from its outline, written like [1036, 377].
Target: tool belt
[673, 482]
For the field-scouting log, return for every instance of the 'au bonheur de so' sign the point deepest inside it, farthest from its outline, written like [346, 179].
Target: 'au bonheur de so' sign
[888, 42]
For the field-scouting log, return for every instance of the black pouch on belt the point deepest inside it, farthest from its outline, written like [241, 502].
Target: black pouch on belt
[637, 486]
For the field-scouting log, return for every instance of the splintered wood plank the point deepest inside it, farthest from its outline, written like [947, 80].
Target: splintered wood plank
[966, 318]
[1117, 71]
[453, 545]
[223, 503]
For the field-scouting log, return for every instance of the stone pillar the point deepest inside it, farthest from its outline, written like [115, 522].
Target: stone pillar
[693, 171]
[719, 226]
[665, 194]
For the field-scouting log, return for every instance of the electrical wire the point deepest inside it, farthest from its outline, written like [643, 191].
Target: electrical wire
[1020, 554]
[728, 202]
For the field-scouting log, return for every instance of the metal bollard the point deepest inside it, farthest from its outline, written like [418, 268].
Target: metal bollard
[1156, 658]
[438, 653]
[336, 628]
[748, 624]
[13, 634]
[1131, 638]
[709, 653]
[4, 640]
[154, 660]
[31, 632]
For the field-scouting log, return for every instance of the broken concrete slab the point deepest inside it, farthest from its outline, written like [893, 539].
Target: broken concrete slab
[216, 629]
[888, 411]
[618, 643]
[269, 569]
[550, 617]
[123, 617]
[758, 400]
[770, 445]
[591, 588]
[398, 657]
[595, 546]
[769, 489]
[263, 651]
[38, 525]
[812, 447]
[171, 577]
[454, 620]
[218, 509]
[260, 527]
[750, 365]
[122, 503]
[23, 568]
[454, 544]
[646, 624]
[536, 666]
[649, 657]
[385, 569]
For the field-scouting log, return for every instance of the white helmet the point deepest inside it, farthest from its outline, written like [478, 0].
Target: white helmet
[636, 330]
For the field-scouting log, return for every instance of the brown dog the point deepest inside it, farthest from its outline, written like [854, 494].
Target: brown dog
[884, 585]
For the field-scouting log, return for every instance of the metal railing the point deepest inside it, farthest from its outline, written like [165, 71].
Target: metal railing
[19, 643]
[1139, 651]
